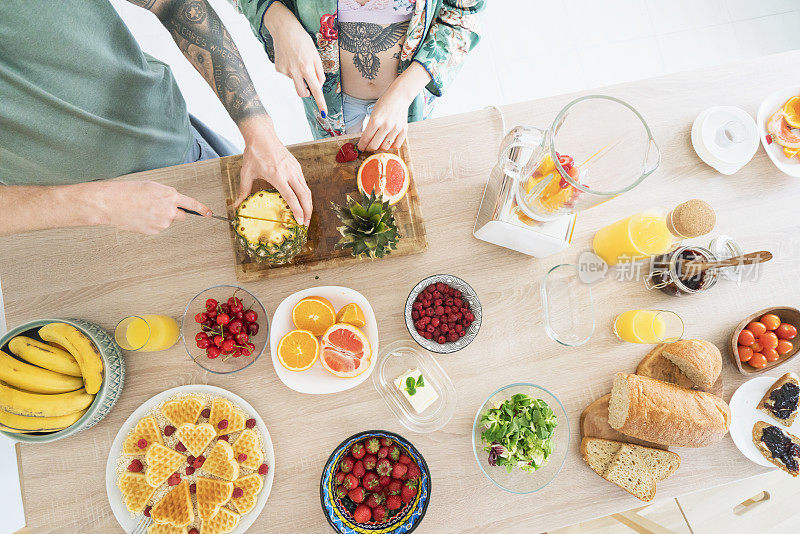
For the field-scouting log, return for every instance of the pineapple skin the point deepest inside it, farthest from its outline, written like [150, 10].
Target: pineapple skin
[279, 252]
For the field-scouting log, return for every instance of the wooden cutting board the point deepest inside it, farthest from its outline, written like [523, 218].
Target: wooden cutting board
[594, 419]
[329, 181]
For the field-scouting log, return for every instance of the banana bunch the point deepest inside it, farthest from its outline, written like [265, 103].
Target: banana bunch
[48, 386]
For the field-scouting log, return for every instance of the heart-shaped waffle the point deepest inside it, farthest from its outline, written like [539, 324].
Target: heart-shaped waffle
[223, 410]
[135, 490]
[249, 444]
[175, 508]
[161, 463]
[221, 463]
[155, 528]
[224, 521]
[211, 495]
[195, 437]
[146, 429]
[251, 486]
[185, 410]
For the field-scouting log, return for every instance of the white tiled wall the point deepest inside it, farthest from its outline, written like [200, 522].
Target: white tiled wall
[529, 49]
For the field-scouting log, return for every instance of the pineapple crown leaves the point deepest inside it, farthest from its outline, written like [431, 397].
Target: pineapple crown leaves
[368, 226]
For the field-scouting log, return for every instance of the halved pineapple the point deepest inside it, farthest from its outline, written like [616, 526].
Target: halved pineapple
[274, 241]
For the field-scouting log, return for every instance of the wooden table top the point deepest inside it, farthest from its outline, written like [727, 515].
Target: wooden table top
[102, 275]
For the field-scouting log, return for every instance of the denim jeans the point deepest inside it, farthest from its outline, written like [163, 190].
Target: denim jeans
[207, 144]
[355, 111]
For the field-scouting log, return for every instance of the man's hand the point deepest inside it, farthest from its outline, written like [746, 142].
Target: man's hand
[267, 159]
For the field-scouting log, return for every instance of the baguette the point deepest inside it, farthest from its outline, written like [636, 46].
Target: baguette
[667, 414]
[699, 360]
[793, 450]
[785, 413]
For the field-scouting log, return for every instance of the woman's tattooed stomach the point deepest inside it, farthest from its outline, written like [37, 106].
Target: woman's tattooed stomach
[369, 55]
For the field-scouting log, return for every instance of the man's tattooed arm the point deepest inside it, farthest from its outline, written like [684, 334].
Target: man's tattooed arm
[206, 43]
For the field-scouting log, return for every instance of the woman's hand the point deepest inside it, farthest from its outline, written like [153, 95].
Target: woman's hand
[296, 55]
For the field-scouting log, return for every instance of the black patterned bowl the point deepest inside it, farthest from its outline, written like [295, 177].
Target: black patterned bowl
[467, 293]
[110, 389]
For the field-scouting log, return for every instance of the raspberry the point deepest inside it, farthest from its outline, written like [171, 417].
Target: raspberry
[198, 462]
[242, 457]
[189, 470]
[142, 443]
[237, 492]
[193, 489]
[223, 424]
[180, 447]
[250, 423]
[147, 511]
[190, 459]
[174, 479]
[206, 413]
[263, 469]
[135, 466]
[193, 530]
[224, 437]
[169, 430]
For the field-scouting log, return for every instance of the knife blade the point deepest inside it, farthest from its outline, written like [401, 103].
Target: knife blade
[221, 218]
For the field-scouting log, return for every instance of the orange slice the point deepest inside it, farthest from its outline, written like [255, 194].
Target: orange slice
[345, 351]
[351, 314]
[297, 350]
[315, 314]
[790, 152]
[386, 174]
[792, 111]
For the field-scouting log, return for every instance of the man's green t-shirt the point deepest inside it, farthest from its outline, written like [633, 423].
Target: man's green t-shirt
[79, 100]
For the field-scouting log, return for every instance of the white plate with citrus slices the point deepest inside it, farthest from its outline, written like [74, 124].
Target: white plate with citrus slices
[324, 340]
[779, 118]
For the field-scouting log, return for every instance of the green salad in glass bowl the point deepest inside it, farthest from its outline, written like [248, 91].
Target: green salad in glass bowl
[520, 437]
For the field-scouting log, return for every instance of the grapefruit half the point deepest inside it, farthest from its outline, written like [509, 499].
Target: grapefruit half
[345, 351]
[386, 174]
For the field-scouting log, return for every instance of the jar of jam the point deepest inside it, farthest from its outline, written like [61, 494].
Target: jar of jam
[666, 272]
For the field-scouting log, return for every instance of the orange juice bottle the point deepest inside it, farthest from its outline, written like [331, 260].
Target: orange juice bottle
[652, 233]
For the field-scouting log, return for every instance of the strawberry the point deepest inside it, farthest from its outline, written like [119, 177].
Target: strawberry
[362, 514]
[194, 531]
[169, 430]
[373, 444]
[383, 452]
[356, 494]
[404, 459]
[135, 466]
[348, 152]
[369, 462]
[147, 511]
[394, 453]
[370, 481]
[206, 413]
[357, 450]
[385, 480]
[386, 442]
[347, 464]
[350, 481]
[394, 487]
[393, 502]
[384, 467]
[399, 470]
[413, 472]
[379, 514]
[374, 499]
[340, 477]
[340, 492]
[358, 469]
[407, 492]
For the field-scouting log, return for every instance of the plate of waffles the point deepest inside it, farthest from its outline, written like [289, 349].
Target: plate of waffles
[195, 459]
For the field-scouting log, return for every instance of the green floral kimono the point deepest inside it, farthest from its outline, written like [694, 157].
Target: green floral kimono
[440, 34]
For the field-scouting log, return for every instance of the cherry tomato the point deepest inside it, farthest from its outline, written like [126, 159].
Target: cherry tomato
[784, 347]
[758, 361]
[756, 347]
[757, 328]
[771, 321]
[768, 340]
[770, 354]
[786, 331]
[746, 338]
[745, 353]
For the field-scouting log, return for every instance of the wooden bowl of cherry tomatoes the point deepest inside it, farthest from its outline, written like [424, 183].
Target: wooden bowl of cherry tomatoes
[765, 340]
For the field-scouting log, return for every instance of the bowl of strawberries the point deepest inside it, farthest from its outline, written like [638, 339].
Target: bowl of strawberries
[443, 313]
[375, 481]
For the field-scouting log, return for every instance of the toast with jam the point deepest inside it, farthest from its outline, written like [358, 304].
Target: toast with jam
[781, 400]
[778, 446]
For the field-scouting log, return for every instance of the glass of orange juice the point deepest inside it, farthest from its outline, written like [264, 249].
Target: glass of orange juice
[147, 333]
[648, 326]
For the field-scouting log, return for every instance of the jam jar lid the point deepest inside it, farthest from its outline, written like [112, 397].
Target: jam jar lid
[724, 247]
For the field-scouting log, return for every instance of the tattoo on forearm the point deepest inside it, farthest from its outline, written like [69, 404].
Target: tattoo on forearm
[147, 4]
[365, 40]
[205, 41]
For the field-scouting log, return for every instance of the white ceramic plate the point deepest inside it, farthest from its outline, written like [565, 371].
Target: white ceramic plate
[317, 380]
[744, 415]
[121, 512]
[770, 105]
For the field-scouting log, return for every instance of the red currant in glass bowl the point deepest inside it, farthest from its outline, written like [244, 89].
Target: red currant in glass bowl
[224, 329]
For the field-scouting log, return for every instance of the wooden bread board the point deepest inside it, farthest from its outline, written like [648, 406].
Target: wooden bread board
[329, 181]
[594, 418]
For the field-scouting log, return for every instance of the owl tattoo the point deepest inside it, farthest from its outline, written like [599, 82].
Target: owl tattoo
[365, 40]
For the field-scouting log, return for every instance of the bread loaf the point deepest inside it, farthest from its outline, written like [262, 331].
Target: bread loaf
[665, 413]
[699, 360]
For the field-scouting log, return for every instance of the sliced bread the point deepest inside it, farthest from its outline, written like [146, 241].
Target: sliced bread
[631, 472]
[792, 451]
[698, 359]
[598, 453]
[784, 407]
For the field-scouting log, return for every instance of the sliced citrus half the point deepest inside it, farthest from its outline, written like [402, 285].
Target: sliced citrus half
[386, 174]
[792, 110]
[345, 351]
[790, 152]
[298, 350]
[315, 314]
[351, 314]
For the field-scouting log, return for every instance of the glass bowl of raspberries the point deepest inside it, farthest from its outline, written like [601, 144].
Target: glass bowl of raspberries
[443, 313]
[224, 329]
[375, 480]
